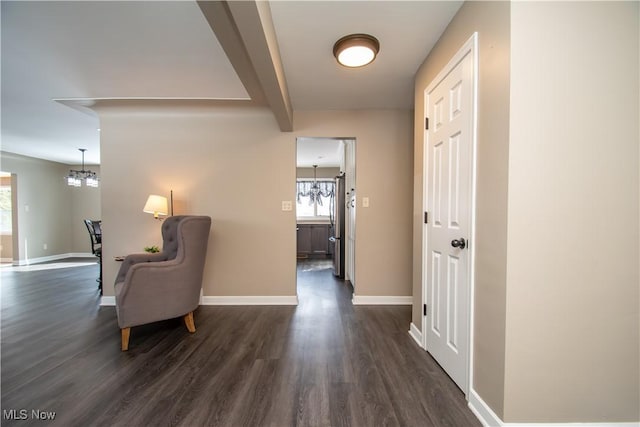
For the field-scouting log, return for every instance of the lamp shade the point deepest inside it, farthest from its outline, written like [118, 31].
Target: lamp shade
[156, 205]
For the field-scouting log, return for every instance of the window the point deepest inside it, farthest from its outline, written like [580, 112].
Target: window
[314, 201]
[5, 210]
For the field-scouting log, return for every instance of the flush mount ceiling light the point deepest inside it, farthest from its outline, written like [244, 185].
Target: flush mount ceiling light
[356, 50]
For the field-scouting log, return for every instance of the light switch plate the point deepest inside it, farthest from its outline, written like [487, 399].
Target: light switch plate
[365, 202]
[287, 205]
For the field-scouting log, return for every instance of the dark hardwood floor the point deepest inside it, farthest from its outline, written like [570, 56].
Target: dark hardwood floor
[322, 363]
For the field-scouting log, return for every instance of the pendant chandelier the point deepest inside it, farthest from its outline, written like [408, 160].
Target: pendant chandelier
[75, 177]
[315, 190]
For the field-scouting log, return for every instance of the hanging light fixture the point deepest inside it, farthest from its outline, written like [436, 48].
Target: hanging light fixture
[314, 188]
[75, 177]
[317, 191]
[356, 50]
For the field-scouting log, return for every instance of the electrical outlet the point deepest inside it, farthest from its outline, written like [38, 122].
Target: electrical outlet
[287, 205]
[365, 202]
[44, 246]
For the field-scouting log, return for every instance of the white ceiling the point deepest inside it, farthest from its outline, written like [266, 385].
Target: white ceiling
[157, 49]
[307, 31]
[324, 152]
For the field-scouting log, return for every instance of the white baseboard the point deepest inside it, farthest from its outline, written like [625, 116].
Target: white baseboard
[415, 333]
[38, 260]
[488, 418]
[250, 300]
[80, 255]
[482, 411]
[381, 300]
[109, 301]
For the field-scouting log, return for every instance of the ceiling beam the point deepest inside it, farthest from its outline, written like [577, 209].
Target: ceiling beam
[246, 33]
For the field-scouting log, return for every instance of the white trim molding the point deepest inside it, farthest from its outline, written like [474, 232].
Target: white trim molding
[30, 261]
[250, 300]
[108, 301]
[80, 255]
[415, 333]
[381, 300]
[488, 418]
[482, 411]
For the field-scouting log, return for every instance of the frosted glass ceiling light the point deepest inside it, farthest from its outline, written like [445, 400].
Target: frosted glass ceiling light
[356, 50]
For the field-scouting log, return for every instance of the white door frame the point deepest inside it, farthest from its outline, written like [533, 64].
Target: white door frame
[469, 48]
[350, 168]
[350, 220]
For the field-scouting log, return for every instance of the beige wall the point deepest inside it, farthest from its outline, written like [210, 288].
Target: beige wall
[491, 21]
[572, 352]
[41, 187]
[383, 167]
[229, 163]
[557, 296]
[234, 164]
[55, 211]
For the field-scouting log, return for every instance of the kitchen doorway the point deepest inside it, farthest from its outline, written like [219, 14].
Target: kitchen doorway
[325, 216]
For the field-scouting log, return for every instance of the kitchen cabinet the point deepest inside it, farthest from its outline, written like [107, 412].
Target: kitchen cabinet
[313, 239]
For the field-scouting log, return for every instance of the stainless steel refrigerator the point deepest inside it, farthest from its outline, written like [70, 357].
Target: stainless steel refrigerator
[337, 226]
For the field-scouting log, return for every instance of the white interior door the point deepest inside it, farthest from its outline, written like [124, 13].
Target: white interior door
[449, 142]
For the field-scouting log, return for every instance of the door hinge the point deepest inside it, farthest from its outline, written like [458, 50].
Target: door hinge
[424, 309]
[426, 217]
[426, 123]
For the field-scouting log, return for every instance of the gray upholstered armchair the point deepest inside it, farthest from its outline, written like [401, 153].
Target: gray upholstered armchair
[164, 285]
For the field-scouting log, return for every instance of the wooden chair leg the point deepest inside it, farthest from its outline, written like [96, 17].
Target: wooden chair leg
[125, 332]
[188, 321]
